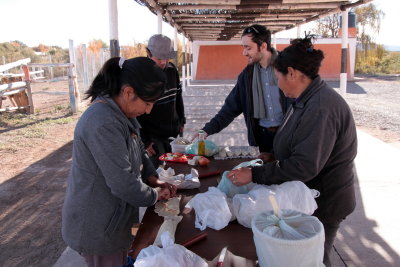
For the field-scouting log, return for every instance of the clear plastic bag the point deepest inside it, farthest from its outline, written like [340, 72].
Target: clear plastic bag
[211, 209]
[210, 148]
[226, 186]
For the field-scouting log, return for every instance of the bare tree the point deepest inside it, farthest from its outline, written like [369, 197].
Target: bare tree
[368, 20]
[328, 27]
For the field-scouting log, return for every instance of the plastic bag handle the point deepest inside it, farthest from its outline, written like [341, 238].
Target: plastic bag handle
[274, 205]
[202, 223]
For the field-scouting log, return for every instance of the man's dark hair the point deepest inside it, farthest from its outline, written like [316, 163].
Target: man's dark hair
[259, 34]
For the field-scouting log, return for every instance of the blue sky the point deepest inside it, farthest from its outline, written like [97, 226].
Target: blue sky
[54, 22]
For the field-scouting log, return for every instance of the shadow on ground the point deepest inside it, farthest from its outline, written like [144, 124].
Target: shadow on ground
[30, 208]
[352, 87]
[358, 244]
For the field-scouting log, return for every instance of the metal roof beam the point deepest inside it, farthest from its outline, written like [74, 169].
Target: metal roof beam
[307, 1]
[213, 2]
[303, 6]
[195, 7]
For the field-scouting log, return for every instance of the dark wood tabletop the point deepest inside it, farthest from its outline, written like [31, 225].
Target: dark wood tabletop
[236, 237]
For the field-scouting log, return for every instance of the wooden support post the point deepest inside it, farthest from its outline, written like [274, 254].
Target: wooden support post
[345, 41]
[51, 69]
[72, 91]
[274, 41]
[102, 56]
[176, 46]
[72, 60]
[113, 24]
[183, 65]
[93, 58]
[159, 20]
[85, 67]
[188, 63]
[191, 61]
[30, 109]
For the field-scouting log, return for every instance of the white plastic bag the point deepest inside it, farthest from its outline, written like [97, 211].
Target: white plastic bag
[171, 255]
[290, 239]
[188, 181]
[168, 226]
[211, 209]
[293, 195]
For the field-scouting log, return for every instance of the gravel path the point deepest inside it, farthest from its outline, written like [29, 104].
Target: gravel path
[374, 101]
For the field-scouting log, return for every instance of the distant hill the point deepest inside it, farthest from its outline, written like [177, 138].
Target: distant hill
[392, 47]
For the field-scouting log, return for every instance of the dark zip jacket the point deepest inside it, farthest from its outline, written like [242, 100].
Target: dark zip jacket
[240, 100]
[167, 116]
[317, 144]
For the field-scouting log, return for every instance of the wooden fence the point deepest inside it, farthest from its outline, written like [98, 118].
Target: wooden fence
[17, 86]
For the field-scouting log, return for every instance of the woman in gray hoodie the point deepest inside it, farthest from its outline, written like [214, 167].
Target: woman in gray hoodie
[111, 174]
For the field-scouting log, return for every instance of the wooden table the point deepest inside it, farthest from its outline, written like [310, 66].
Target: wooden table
[238, 238]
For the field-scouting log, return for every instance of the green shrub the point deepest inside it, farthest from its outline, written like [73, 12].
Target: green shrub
[376, 60]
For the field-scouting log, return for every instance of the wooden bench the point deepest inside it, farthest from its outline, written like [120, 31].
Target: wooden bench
[16, 87]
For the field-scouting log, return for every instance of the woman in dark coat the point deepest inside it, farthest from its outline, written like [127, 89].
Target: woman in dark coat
[315, 144]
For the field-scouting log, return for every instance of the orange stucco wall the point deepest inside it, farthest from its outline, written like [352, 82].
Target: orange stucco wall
[352, 32]
[225, 62]
[220, 62]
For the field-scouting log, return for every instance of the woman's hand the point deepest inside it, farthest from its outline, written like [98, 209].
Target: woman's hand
[150, 150]
[155, 182]
[172, 188]
[163, 193]
[196, 136]
[266, 157]
[241, 176]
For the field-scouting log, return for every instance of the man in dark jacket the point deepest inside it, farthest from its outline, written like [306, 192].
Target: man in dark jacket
[255, 94]
[167, 118]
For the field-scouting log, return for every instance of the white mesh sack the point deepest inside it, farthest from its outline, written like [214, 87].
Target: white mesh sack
[293, 195]
[291, 238]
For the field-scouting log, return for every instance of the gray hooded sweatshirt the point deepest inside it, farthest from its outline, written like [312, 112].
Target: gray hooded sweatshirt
[106, 184]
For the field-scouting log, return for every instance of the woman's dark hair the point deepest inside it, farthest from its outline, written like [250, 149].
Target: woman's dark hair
[301, 56]
[141, 73]
[259, 34]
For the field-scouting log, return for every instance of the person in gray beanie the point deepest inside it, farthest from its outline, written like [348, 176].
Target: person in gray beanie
[167, 118]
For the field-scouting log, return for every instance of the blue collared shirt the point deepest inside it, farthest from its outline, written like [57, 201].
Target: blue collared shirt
[274, 114]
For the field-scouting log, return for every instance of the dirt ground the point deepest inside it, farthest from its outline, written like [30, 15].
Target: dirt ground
[35, 152]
